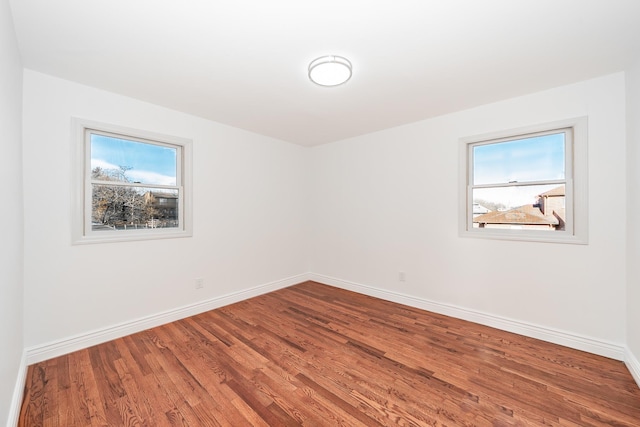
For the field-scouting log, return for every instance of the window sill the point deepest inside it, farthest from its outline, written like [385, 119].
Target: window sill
[526, 236]
[129, 236]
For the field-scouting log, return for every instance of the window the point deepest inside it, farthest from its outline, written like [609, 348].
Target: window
[526, 184]
[130, 185]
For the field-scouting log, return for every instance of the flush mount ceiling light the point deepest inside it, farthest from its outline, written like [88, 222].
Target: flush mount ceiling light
[330, 70]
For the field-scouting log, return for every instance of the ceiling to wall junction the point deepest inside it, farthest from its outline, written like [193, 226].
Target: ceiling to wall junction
[244, 63]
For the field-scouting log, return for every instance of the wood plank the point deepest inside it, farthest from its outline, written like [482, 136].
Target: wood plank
[314, 355]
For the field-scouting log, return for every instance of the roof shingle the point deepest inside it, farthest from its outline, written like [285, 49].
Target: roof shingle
[527, 214]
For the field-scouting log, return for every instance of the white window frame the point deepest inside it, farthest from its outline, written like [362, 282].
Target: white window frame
[576, 184]
[82, 232]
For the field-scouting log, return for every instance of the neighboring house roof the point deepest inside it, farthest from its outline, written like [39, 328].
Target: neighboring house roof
[558, 191]
[527, 214]
[160, 194]
[478, 209]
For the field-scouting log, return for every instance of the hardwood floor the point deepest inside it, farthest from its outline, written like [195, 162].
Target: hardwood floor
[314, 355]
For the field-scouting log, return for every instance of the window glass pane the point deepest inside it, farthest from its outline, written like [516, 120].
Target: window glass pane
[116, 159]
[532, 207]
[117, 207]
[537, 158]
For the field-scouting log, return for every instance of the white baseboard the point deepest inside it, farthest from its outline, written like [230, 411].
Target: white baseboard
[18, 393]
[555, 336]
[633, 365]
[57, 348]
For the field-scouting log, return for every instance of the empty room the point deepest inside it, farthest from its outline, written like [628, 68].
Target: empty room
[355, 213]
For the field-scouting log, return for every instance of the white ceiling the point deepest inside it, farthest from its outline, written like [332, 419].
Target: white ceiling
[244, 62]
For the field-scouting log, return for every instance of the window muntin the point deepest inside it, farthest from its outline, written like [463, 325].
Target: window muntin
[523, 184]
[133, 185]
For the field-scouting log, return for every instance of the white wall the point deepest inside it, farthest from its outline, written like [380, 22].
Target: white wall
[11, 259]
[388, 202]
[369, 207]
[249, 229]
[633, 223]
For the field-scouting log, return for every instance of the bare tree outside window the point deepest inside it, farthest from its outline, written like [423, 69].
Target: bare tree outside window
[117, 207]
[134, 185]
[142, 192]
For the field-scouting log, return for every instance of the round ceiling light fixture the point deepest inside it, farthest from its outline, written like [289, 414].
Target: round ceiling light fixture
[330, 70]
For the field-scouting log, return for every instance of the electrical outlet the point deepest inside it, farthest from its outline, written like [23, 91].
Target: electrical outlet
[401, 276]
[199, 283]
